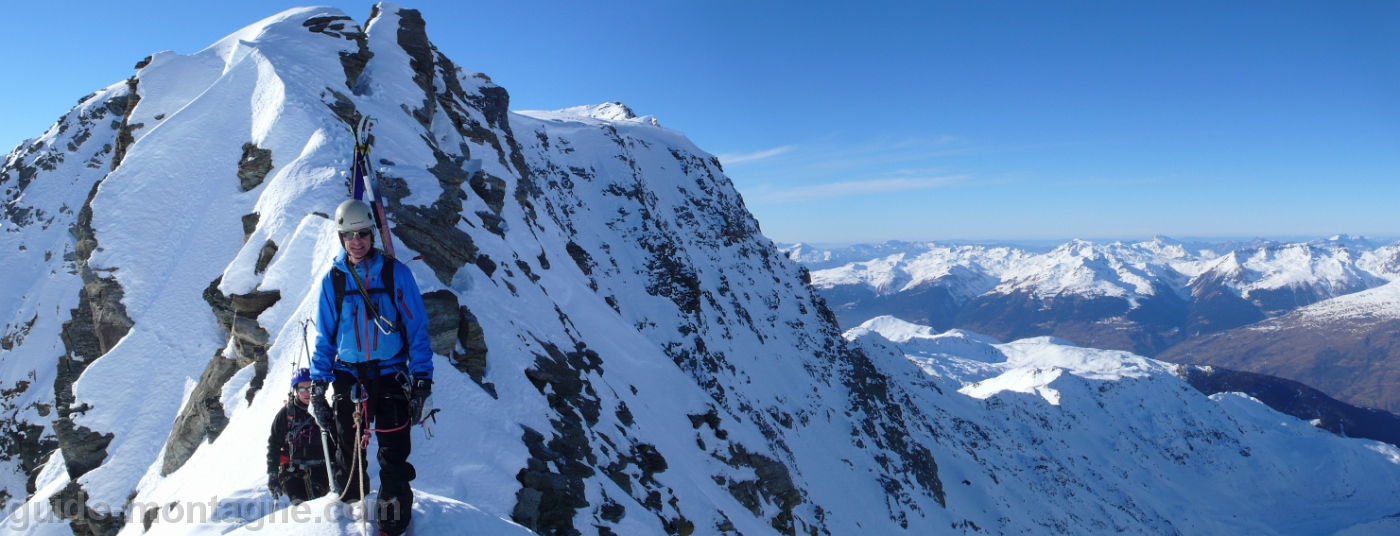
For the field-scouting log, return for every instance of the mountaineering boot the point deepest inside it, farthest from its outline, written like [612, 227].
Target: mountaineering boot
[407, 532]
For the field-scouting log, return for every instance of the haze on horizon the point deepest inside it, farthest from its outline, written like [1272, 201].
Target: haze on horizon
[909, 121]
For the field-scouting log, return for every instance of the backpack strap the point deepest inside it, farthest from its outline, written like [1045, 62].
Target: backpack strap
[338, 283]
[386, 275]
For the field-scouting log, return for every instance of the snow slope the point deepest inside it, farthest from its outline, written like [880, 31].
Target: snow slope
[1124, 437]
[620, 351]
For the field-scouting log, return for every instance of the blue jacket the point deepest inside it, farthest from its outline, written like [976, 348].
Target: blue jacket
[357, 337]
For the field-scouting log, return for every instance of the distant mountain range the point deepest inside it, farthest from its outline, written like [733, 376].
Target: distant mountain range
[1146, 297]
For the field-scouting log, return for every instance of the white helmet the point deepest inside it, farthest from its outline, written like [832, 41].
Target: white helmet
[353, 215]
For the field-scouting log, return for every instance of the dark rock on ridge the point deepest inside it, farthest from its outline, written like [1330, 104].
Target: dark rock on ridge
[265, 255]
[71, 503]
[203, 416]
[253, 166]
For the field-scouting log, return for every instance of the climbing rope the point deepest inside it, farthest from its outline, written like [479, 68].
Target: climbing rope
[359, 475]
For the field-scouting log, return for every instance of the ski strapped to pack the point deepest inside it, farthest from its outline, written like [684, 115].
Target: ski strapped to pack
[364, 185]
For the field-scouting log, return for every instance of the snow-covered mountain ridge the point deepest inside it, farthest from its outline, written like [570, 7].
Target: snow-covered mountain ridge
[1101, 423]
[619, 350]
[1115, 269]
[1157, 292]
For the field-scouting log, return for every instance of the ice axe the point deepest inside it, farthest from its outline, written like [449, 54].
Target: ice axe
[326, 450]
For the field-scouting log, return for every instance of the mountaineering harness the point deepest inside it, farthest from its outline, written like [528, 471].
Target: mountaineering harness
[368, 372]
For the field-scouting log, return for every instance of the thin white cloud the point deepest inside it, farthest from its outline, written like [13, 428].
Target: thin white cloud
[874, 186]
[749, 157]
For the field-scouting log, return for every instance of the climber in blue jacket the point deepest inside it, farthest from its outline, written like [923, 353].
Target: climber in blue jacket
[372, 347]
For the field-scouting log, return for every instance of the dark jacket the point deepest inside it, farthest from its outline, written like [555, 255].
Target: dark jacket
[295, 438]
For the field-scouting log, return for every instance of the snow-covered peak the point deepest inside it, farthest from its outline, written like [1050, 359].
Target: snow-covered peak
[818, 258]
[1320, 271]
[1084, 268]
[1355, 243]
[1362, 308]
[892, 328]
[966, 271]
[608, 112]
[286, 26]
[1330, 267]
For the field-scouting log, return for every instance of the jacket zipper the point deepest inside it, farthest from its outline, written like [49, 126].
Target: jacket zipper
[405, 305]
[376, 331]
[355, 321]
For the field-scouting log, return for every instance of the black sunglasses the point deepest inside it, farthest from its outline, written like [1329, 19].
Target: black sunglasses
[363, 233]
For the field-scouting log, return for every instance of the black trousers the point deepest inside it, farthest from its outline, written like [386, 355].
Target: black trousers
[388, 409]
[304, 483]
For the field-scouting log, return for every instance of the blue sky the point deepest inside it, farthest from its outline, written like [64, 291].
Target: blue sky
[847, 122]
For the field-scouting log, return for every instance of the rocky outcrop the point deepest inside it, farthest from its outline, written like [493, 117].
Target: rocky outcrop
[203, 417]
[15, 337]
[21, 442]
[455, 332]
[413, 37]
[95, 326]
[552, 487]
[71, 504]
[432, 230]
[771, 484]
[472, 358]
[265, 255]
[250, 224]
[238, 314]
[253, 166]
[124, 107]
[353, 62]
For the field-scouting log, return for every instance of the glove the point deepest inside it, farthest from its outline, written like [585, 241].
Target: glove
[274, 486]
[319, 409]
[421, 401]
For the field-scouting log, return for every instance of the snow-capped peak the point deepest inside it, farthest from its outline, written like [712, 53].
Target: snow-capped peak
[612, 112]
